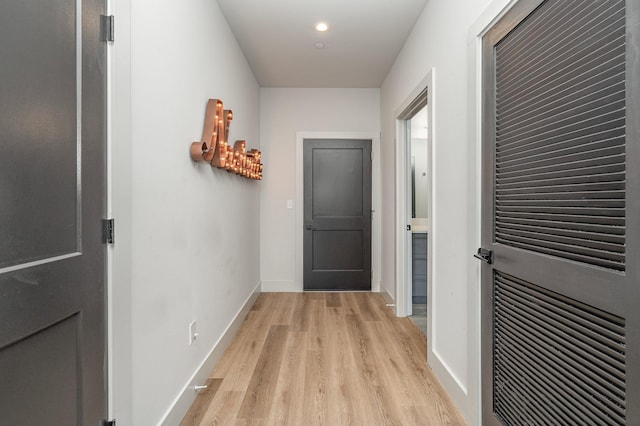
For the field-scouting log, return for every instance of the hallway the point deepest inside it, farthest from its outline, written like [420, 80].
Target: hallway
[325, 359]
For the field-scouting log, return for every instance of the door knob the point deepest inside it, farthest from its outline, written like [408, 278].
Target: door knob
[310, 227]
[484, 255]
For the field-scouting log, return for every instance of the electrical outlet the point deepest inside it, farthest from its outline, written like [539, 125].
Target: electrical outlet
[193, 334]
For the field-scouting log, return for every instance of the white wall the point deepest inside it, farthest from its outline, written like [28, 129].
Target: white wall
[440, 41]
[283, 112]
[190, 231]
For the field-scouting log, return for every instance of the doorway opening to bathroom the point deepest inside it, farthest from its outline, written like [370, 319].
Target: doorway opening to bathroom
[418, 128]
[414, 168]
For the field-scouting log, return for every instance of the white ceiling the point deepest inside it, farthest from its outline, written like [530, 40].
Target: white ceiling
[363, 40]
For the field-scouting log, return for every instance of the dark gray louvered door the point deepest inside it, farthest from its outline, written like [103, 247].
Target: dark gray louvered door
[561, 214]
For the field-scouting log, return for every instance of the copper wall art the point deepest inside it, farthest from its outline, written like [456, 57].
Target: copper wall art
[214, 147]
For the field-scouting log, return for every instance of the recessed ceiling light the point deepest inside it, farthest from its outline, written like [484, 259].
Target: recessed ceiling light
[322, 27]
[319, 45]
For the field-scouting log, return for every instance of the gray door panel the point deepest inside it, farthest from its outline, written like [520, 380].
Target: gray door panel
[43, 367]
[52, 200]
[560, 212]
[337, 214]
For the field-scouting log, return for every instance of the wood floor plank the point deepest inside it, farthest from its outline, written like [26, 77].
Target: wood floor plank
[369, 376]
[366, 306]
[326, 359]
[284, 308]
[223, 409]
[200, 406]
[393, 372]
[333, 300]
[241, 340]
[289, 393]
[410, 340]
[317, 324]
[300, 316]
[238, 363]
[345, 409]
[315, 405]
[259, 395]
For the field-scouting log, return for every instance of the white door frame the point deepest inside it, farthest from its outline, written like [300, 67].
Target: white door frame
[376, 228]
[403, 199]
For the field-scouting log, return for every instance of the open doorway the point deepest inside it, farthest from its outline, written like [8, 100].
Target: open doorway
[418, 184]
[414, 205]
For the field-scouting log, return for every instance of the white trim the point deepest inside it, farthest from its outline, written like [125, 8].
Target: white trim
[187, 396]
[119, 201]
[403, 238]
[109, 212]
[403, 250]
[452, 383]
[376, 229]
[282, 286]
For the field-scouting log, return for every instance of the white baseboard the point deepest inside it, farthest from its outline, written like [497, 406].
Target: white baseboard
[291, 287]
[280, 287]
[181, 405]
[450, 382]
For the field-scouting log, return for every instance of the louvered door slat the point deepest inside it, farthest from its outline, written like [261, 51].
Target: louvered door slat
[560, 111]
[566, 129]
[534, 40]
[567, 332]
[525, 139]
[601, 77]
[596, 255]
[559, 144]
[562, 46]
[571, 245]
[572, 361]
[614, 162]
[595, 72]
[537, 23]
[562, 187]
[572, 233]
[554, 150]
[579, 71]
[575, 179]
[539, 223]
[567, 391]
[605, 130]
[569, 192]
[588, 173]
[585, 111]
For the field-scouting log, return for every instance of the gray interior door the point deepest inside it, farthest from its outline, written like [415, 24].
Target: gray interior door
[52, 199]
[337, 214]
[561, 214]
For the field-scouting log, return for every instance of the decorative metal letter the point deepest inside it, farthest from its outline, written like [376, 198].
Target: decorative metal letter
[214, 147]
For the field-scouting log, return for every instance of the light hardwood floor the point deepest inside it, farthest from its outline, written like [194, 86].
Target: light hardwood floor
[324, 359]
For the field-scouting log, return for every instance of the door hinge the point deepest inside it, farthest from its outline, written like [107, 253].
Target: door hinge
[108, 231]
[371, 155]
[108, 28]
[109, 422]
